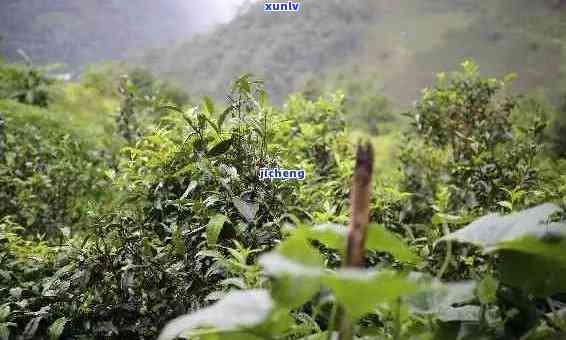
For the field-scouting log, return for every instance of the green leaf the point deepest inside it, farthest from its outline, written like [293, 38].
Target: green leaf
[297, 247]
[209, 105]
[361, 291]
[220, 148]
[191, 123]
[226, 336]
[487, 290]
[440, 218]
[178, 241]
[171, 107]
[4, 312]
[243, 84]
[436, 297]
[202, 119]
[296, 267]
[535, 265]
[239, 309]
[332, 235]
[57, 328]
[247, 209]
[506, 204]
[31, 327]
[214, 126]
[302, 262]
[299, 271]
[531, 249]
[490, 230]
[214, 227]
[293, 291]
[222, 117]
[378, 238]
[319, 336]
[295, 282]
[381, 239]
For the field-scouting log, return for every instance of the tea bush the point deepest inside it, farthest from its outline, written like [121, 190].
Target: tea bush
[175, 234]
[24, 83]
[47, 174]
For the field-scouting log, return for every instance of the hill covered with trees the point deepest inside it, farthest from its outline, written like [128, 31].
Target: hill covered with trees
[76, 33]
[398, 46]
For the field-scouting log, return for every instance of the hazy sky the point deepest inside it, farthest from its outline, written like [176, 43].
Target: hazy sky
[209, 12]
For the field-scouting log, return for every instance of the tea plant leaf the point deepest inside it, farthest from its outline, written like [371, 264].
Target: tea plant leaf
[171, 107]
[243, 84]
[332, 235]
[220, 148]
[381, 239]
[222, 117]
[296, 267]
[4, 312]
[531, 250]
[492, 229]
[57, 328]
[320, 336]
[292, 292]
[247, 209]
[209, 105]
[295, 282]
[378, 238]
[435, 297]
[237, 310]
[262, 98]
[361, 291]
[276, 264]
[487, 290]
[538, 266]
[214, 227]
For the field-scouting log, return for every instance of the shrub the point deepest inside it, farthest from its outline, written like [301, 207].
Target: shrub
[466, 141]
[25, 84]
[46, 173]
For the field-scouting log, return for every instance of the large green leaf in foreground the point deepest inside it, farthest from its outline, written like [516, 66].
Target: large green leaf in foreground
[299, 274]
[378, 238]
[531, 248]
[238, 310]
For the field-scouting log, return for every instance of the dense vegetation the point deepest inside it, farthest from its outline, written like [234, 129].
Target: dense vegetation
[131, 209]
[112, 232]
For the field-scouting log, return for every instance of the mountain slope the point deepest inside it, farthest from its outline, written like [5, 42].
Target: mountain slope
[399, 45]
[80, 32]
[279, 47]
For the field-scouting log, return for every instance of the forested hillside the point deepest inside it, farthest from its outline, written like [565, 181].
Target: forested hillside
[79, 32]
[370, 182]
[398, 46]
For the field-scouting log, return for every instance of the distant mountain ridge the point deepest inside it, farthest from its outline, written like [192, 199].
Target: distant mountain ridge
[80, 32]
[400, 45]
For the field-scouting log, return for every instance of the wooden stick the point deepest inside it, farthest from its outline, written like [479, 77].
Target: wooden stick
[359, 219]
[359, 206]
